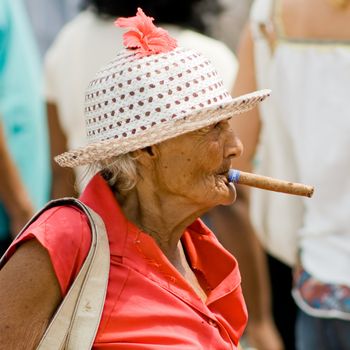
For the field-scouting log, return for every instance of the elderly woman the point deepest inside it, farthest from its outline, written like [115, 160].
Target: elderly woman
[158, 128]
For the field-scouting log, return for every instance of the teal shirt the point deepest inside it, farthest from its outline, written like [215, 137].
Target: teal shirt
[22, 109]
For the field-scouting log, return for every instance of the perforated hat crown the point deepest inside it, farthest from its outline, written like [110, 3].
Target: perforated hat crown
[152, 91]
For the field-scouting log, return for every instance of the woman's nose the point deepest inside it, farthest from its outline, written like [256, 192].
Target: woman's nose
[234, 147]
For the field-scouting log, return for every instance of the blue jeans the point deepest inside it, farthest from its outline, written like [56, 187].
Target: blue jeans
[314, 333]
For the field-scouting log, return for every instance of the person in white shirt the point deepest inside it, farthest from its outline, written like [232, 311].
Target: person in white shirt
[301, 50]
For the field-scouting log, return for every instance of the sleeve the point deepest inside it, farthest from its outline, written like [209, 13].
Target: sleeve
[65, 233]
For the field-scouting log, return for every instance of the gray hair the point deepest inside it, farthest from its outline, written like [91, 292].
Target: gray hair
[119, 171]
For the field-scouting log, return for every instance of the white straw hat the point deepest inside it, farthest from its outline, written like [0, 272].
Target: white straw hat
[149, 94]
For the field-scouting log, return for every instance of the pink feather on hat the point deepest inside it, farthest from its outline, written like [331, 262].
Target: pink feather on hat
[144, 36]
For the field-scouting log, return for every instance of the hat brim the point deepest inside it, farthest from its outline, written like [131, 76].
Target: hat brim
[198, 119]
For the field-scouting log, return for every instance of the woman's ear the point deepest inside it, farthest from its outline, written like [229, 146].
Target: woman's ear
[147, 155]
[149, 150]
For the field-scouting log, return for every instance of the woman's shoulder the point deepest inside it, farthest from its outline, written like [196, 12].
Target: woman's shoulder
[60, 213]
[62, 221]
[64, 232]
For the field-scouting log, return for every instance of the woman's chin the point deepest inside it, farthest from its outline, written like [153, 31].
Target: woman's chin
[228, 194]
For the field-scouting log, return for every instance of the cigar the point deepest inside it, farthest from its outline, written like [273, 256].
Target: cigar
[269, 183]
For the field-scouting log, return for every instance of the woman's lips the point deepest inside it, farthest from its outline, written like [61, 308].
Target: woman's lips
[224, 173]
[224, 176]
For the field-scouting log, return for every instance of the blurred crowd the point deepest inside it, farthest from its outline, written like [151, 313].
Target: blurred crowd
[294, 253]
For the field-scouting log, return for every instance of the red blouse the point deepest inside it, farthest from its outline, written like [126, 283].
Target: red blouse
[149, 305]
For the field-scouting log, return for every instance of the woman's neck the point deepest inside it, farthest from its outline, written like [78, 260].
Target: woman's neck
[163, 216]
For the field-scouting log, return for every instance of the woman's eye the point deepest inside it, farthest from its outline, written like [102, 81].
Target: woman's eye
[210, 128]
[216, 126]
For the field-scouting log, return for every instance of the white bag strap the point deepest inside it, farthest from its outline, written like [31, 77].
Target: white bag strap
[75, 323]
[260, 16]
[88, 312]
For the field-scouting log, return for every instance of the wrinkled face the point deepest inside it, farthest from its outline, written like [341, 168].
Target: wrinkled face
[195, 165]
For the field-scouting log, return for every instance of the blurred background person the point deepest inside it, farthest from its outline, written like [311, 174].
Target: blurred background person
[24, 130]
[91, 40]
[301, 134]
